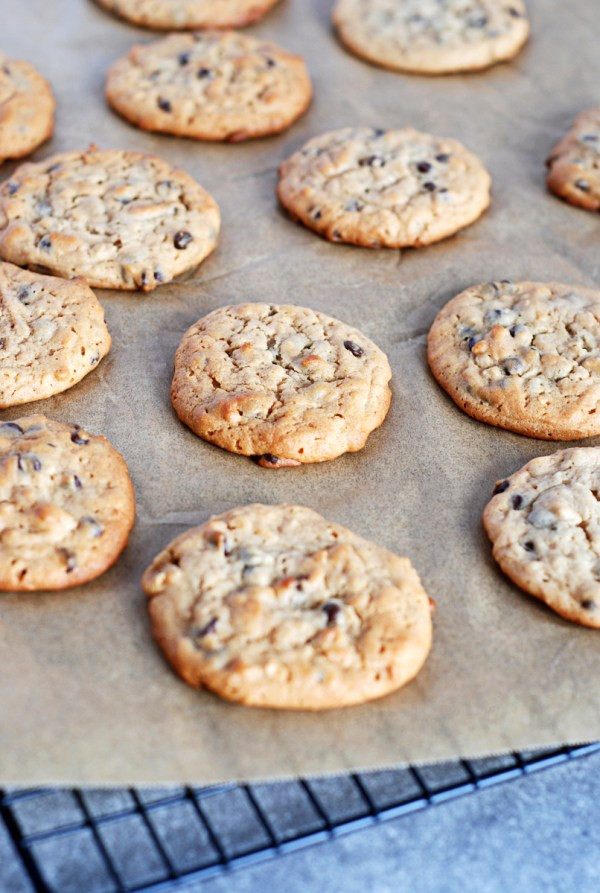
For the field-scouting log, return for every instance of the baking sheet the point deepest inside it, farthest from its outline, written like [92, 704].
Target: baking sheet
[86, 696]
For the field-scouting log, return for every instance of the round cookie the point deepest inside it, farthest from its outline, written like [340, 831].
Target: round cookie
[432, 36]
[284, 383]
[211, 85]
[273, 606]
[177, 15]
[122, 219]
[52, 333]
[384, 188]
[574, 166]
[523, 356]
[26, 108]
[66, 505]
[544, 523]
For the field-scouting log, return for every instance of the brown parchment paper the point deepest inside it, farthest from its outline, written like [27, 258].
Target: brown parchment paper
[85, 695]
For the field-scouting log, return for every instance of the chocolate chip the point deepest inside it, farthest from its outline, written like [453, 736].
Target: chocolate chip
[12, 426]
[24, 295]
[423, 167]
[336, 235]
[317, 215]
[12, 188]
[70, 558]
[378, 131]
[182, 239]
[183, 58]
[94, 359]
[501, 487]
[45, 243]
[513, 366]
[514, 329]
[331, 610]
[144, 279]
[582, 185]
[353, 348]
[78, 439]
[203, 73]
[529, 546]
[479, 22]
[95, 526]
[517, 501]
[77, 482]
[158, 276]
[371, 161]
[473, 341]
[270, 458]
[589, 138]
[205, 630]
[271, 63]
[443, 157]
[515, 12]
[165, 105]
[54, 167]
[429, 186]
[354, 205]
[588, 605]
[23, 458]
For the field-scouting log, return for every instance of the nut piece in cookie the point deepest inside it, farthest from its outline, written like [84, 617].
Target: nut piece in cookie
[273, 606]
[282, 383]
[210, 85]
[26, 108]
[544, 524]
[432, 37]
[384, 188]
[52, 333]
[66, 505]
[574, 165]
[178, 15]
[523, 356]
[121, 219]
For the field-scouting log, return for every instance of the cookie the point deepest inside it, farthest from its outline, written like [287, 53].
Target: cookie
[432, 36]
[66, 505]
[52, 333]
[384, 188]
[273, 606]
[284, 383]
[544, 523]
[26, 108]
[574, 166]
[523, 356]
[211, 85]
[177, 15]
[121, 219]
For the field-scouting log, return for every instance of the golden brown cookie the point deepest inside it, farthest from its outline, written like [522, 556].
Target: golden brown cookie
[121, 219]
[273, 606]
[544, 523]
[432, 36]
[26, 108]
[52, 333]
[384, 188]
[574, 165]
[66, 505]
[284, 383]
[211, 85]
[524, 356]
[177, 15]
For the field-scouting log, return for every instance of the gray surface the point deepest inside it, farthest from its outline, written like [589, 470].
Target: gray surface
[538, 834]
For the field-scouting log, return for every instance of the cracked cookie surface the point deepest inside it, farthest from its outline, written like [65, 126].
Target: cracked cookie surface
[26, 108]
[121, 219]
[432, 36]
[274, 606]
[52, 333]
[574, 165]
[284, 383]
[66, 505]
[175, 15]
[523, 356]
[384, 188]
[544, 523]
[210, 85]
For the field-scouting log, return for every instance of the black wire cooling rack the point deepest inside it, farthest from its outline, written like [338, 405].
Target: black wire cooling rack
[159, 839]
